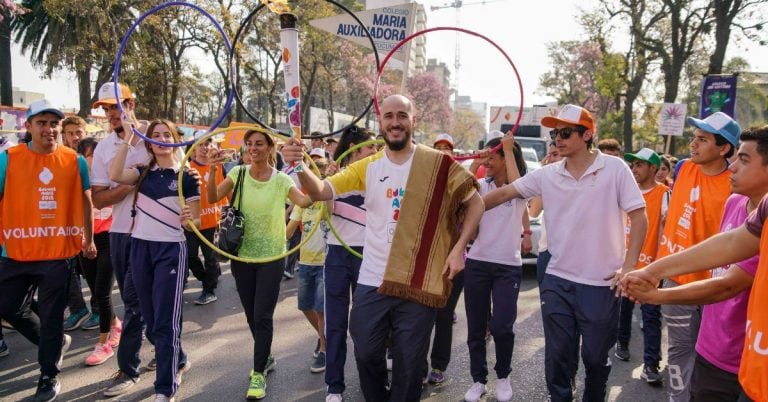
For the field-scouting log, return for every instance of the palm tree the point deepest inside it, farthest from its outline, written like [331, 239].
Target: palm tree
[76, 39]
[8, 9]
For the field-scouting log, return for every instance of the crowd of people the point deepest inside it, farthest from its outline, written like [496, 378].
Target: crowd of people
[682, 239]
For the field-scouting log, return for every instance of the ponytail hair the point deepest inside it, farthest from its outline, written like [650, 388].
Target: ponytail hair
[350, 137]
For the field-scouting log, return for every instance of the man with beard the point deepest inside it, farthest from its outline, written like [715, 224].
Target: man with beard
[411, 242]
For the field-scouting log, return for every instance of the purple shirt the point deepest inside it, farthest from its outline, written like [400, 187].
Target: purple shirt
[723, 324]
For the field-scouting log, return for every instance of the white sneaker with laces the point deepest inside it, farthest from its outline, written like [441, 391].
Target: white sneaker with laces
[475, 392]
[503, 390]
[334, 398]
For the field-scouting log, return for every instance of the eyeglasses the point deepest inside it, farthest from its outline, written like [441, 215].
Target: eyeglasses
[565, 132]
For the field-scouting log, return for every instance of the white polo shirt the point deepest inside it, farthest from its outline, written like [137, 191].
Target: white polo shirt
[102, 158]
[585, 217]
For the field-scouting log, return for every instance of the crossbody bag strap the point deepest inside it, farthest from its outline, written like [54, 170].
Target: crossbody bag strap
[238, 191]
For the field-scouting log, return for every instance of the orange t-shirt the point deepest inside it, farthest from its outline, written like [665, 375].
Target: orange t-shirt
[653, 203]
[209, 213]
[43, 214]
[694, 214]
[753, 371]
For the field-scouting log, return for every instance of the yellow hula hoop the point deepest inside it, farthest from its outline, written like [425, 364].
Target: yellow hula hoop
[327, 216]
[188, 154]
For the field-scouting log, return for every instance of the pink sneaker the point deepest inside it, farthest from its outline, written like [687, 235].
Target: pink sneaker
[114, 335]
[101, 352]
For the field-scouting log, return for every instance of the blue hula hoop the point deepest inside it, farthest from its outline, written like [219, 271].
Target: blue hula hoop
[119, 57]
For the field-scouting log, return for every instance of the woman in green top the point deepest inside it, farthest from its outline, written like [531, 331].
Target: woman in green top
[262, 201]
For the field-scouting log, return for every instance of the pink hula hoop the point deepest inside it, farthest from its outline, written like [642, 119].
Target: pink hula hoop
[466, 31]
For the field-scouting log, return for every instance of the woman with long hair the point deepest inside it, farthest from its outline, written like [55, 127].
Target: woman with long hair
[342, 267]
[99, 275]
[158, 247]
[262, 200]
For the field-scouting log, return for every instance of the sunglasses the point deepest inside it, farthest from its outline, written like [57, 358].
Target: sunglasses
[566, 132]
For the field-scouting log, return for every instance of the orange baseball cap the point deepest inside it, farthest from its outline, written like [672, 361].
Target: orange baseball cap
[570, 114]
[107, 95]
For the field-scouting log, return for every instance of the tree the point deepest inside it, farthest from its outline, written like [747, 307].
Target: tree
[77, 36]
[467, 127]
[431, 99]
[8, 11]
[742, 14]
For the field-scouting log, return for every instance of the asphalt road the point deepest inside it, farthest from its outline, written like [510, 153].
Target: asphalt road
[219, 345]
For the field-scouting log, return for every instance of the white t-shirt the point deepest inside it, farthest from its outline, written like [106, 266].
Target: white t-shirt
[384, 185]
[585, 216]
[498, 239]
[102, 158]
[348, 219]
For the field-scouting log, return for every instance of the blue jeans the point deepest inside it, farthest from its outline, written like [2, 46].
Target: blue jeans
[311, 288]
[340, 278]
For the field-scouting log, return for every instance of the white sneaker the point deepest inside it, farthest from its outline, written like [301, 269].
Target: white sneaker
[334, 398]
[163, 398]
[475, 392]
[503, 390]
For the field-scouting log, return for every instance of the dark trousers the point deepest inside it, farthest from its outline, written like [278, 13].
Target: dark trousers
[133, 325]
[100, 277]
[651, 315]
[293, 258]
[443, 338]
[158, 274]
[570, 310]
[18, 281]
[713, 384]
[341, 271]
[484, 281]
[209, 272]
[258, 286]
[75, 299]
[542, 260]
[372, 318]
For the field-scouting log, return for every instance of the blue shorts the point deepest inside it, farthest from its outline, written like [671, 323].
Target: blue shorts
[311, 288]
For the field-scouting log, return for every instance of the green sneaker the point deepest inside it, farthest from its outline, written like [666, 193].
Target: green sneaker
[257, 389]
[270, 365]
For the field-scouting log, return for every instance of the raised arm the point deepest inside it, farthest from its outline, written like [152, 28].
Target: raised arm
[316, 189]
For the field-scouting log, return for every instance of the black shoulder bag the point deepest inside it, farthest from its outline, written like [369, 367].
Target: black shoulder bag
[232, 222]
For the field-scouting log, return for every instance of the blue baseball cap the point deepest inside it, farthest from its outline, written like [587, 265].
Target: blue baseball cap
[720, 124]
[42, 106]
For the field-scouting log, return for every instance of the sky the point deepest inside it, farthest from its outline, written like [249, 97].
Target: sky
[521, 28]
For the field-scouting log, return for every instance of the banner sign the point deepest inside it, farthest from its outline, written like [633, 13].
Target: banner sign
[387, 25]
[672, 119]
[718, 94]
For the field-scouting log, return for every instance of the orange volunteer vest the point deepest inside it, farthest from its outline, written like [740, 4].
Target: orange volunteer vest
[753, 372]
[209, 213]
[694, 214]
[42, 208]
[653, 201]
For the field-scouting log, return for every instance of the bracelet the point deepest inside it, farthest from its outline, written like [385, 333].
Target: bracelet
[527, 232]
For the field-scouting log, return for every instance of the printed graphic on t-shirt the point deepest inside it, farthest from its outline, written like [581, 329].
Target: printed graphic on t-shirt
[395, 195]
